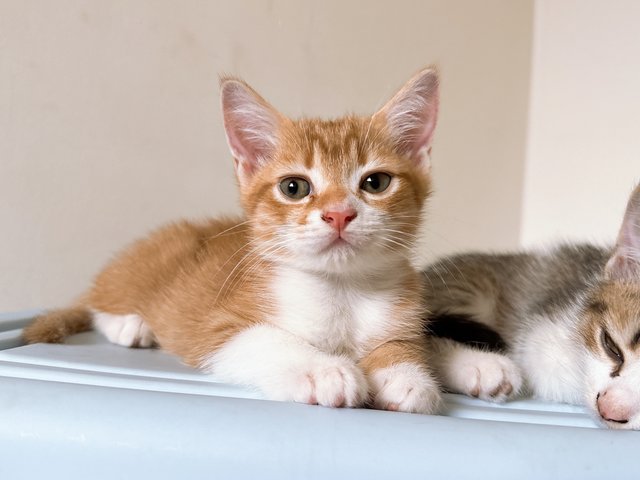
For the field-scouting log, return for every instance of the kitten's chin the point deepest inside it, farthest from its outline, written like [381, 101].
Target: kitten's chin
[339, 248]
[338, 244]
[338, 258]
[344, 259]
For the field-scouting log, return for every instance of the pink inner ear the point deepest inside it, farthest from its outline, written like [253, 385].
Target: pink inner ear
[248, 156]
[412, 114]
[629, 237]
[251, 126]
[424, 138]
[623, 267]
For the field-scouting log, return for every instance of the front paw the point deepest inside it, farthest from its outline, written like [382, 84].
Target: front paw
[491, 377]
[329, 381]
[405, 387]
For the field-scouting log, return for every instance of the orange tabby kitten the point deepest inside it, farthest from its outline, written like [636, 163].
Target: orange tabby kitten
[312, 298]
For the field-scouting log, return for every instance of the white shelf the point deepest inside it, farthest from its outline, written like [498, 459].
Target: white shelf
[88, 400]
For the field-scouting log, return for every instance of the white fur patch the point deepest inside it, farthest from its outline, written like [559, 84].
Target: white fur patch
[336, 317]
[126, 330]
[405, 387]
[551, 360]
[486, 375]
[286, 367]
[412, 112]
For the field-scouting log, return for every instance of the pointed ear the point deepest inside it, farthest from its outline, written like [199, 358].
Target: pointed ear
[624, 264]
[411, 115]
[251, 126]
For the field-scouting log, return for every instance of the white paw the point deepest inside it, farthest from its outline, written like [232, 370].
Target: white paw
[126, 330]
[490, 377]
[405, 387]
[328, 381]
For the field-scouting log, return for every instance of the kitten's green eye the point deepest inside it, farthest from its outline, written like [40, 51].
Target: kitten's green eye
[295, 187]
[376, 182]
[611, 348]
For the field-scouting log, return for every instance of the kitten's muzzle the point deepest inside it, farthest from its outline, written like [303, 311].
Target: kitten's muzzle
[615, 406]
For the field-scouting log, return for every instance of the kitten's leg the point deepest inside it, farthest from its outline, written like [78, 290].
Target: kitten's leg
[400, 379]
[126, 330]
[286, 367]
[463, 369]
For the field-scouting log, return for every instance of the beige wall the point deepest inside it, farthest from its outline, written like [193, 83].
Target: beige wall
[584, 135]
[109, 119]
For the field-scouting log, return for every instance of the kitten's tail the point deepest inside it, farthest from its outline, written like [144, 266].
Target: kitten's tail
[56, 325]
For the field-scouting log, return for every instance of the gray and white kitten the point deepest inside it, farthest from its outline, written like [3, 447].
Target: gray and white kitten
[563, 324]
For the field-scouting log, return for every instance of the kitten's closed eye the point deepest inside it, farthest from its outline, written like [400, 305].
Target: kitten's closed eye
[611, 349]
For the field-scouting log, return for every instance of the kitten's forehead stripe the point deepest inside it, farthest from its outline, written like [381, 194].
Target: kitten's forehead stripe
[353, 149]
[598, 307]
[335, 139]
[335, 147]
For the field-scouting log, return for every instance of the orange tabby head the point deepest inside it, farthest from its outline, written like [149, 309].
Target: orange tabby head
[333, 196]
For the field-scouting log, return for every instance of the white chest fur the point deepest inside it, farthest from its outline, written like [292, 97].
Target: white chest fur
[335, 316]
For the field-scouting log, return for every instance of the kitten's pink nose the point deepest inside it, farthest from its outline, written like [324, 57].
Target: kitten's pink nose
[339, 219]
[615, 406]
